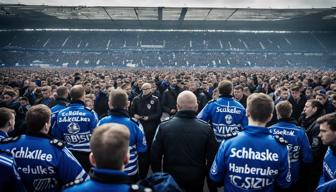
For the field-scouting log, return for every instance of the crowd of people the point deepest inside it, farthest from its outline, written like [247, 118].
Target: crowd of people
[82, 129]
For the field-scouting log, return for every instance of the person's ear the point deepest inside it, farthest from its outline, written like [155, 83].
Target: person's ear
[270, 118]
[92, 159]
[126, 158]
[178, 107]
[196, 107]
[248, 114]
[46, 127]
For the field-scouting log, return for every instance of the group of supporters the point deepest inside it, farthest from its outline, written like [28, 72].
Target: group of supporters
[80, 130]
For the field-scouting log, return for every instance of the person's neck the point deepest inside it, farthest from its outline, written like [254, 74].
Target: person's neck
[256, 123]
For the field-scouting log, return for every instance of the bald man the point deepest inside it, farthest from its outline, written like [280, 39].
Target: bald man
[147, 109]
[185, 144]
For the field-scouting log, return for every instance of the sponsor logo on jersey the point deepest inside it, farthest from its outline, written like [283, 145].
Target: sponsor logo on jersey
[254, 155]
[26, 153]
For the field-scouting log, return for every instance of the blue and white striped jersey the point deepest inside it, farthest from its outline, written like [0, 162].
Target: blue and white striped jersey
[137, 142]
[44, 164]
[75, 125]
[225, 115]
[10, 180]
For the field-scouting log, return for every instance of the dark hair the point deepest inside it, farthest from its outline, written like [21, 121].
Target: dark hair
[62, 92]
[109, 145]
[225, 87]
[315, 103]
[118, 99]
[284, 109]
[330, 119]
[5, 115]
[260, 106]
[237, 87]
[36, 117]
[11, 93]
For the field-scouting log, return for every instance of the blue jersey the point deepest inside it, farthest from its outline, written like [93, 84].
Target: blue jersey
[3, 134]
[10, 179]
[225, 115]
[329, 186]
[75, 125]
[100, 181]
[137, 143]
[299, 149]
[44, 164]
[252, 160]
[329, 166]
[54, 112]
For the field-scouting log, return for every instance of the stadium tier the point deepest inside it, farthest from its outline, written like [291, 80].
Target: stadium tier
[167, 49]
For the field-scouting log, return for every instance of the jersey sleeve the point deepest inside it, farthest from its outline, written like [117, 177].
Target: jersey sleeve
[284, 178]
[55, 131]
[94, 120]
[329, 186]
[305, 149]
[218, 169]
[69, 168]
[204, 114]
[244, 120]
[141, 140]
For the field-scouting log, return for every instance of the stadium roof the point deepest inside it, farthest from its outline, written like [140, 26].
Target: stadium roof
[162, 13]
[23, 16]
[256, 4]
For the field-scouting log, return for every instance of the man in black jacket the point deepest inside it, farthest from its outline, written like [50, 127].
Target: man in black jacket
[187, 145]
[147, 109]
[312, 111]
[297, 100]
[169, 96]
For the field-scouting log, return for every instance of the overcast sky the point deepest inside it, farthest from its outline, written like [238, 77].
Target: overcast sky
[275, 4]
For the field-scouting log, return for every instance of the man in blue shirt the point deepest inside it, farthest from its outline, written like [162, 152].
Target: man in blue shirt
[299, 149]
[107, 173]
[44, 164]
[225, 114]
[328, 136]
[118, 104]
[61, 102]
[75, 125]
[253, 159]
[10, 179]
[7, 121]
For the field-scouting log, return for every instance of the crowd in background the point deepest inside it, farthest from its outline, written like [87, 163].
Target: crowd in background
[312, 94]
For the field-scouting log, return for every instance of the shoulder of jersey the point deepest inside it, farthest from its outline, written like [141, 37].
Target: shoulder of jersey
[135, 120]
[75, 182]
[9, 139]
[88, 109]
[212, 100]
[3, 152]
[280, 139]
[57, 143]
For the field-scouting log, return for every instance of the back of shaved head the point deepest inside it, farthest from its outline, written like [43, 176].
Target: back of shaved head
[187, 100]
[77, 92]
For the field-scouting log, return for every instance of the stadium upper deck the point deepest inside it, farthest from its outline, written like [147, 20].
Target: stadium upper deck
[165, 36]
